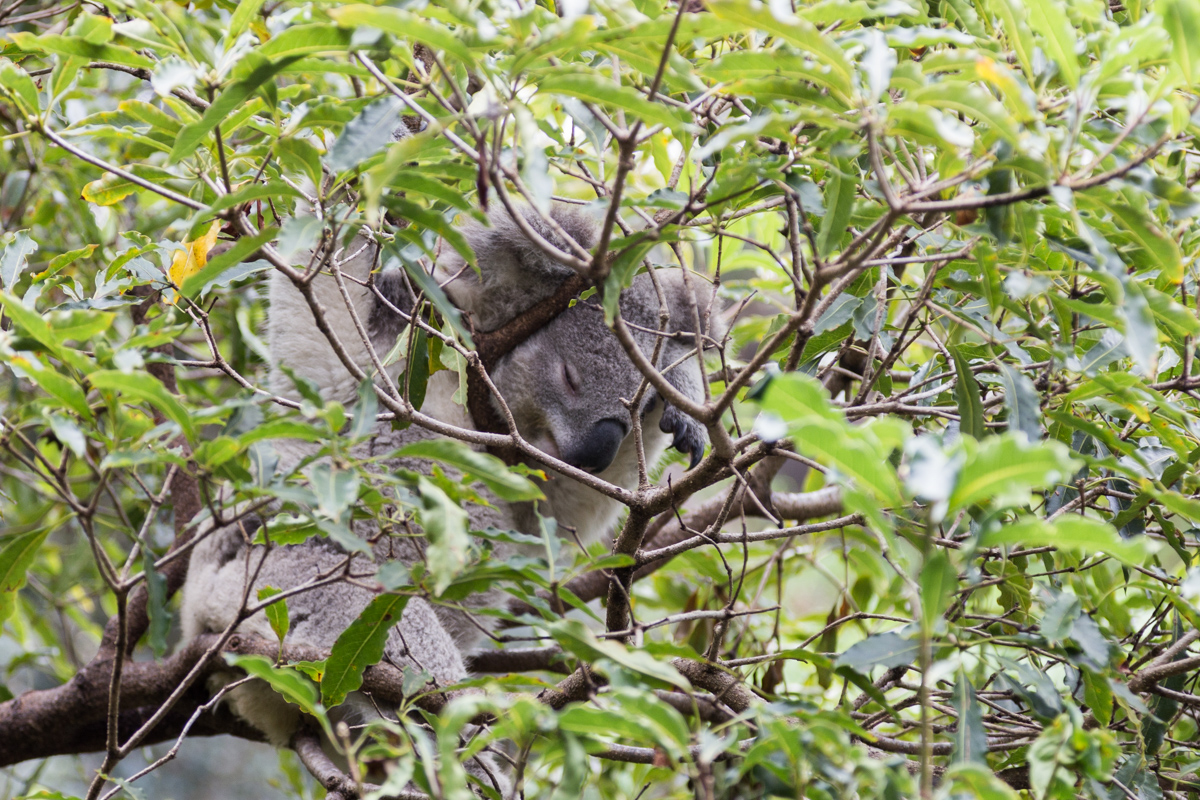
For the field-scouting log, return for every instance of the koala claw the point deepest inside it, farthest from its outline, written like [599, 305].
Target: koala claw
[689, 435]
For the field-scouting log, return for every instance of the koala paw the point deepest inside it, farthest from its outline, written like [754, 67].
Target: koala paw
[689, 435]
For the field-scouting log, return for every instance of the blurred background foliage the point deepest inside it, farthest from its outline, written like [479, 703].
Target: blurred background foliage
[956, 242]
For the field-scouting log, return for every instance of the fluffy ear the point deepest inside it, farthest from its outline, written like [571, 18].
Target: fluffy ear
[384, 323]
[513, 273]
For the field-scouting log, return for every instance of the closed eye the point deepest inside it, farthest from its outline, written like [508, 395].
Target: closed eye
[570, 378]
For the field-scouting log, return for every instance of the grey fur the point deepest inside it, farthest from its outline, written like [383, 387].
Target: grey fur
[559, 384]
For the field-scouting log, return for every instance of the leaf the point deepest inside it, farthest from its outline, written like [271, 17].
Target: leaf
[191, 259]
[404, 24]
[1181, 18]
[276, 612]
[445, 525]
[294, 687]
[365, 135]
[575, 637]
[54, 384]
[360, 646]
[14, 258]
[1047, 18]
[304, 40]
[20, 86]
[335, 489]
[363, 422]
[246, 11]
[594, 89]
[156, 605]
[970, 400]
[799, 33]
[16, 557]
[841, 185]
[485, 467]
[214, 273]
[1021, 400]
[69, 434]
[1001, 470]
[1012, 13]
[229, 101]
[820, 430]
[970, 739]
[1069, 532]
[879, 650]
[76, 46]
[432, 291]
[971, 101]
[938, 581]
[142, 386]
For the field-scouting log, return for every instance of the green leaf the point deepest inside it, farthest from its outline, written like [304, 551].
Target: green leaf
[55, 384]
[972, 102]
[1181, 18]
[76, 46]
[799, 33]
[230, 99]
[1069, 532]
[575, 637]
[938, 581]
[821, 431]
[1048, 19]
[360, 646]
[16, 557]
[841, 185]
[335, 489]
[14, 258]
[970, 738]
[1021, 400]
[428, 286]
[156, 605]
[404, 24]
[1012, 13]
[243, 15]
[306, 40]
[879, 650]
[142, 386]
[594, 89]
[485, 467]
[365, 135]
[294, 687]
[276, 612]
[1003, 471]
[970, 401]
[20, 87]
[363, 422]
[445, 524]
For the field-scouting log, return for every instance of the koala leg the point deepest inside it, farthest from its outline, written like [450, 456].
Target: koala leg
[214, 592]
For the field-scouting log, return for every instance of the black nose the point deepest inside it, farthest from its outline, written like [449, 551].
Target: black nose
[598, 448]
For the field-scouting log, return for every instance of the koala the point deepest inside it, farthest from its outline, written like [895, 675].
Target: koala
[568, 387]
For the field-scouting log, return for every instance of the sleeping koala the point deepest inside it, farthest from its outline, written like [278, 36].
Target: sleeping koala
[565, 386]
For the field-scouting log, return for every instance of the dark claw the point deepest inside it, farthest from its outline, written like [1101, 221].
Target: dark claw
[689, 435]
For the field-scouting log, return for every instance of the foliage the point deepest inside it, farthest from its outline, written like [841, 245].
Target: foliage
[956, 240]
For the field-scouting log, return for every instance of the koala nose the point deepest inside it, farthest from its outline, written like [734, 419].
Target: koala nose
[598, 448]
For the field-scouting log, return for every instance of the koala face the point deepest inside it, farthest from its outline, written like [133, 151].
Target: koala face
[565, 387]
[570, 385]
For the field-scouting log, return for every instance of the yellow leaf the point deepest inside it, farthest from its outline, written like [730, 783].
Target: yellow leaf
[194, 256]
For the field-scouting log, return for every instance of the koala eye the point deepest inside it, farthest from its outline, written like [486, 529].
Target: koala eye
[570, 378]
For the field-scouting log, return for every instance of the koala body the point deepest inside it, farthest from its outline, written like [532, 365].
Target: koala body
[564, 386]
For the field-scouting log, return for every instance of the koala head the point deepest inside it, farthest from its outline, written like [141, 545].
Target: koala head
[569, 385]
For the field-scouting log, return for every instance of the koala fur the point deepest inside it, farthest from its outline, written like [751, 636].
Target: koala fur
[564, 385]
